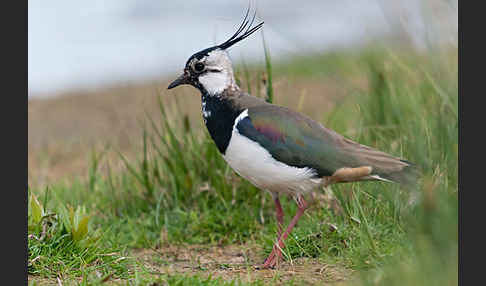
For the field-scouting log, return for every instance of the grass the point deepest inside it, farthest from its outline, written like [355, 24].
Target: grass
[180, 192]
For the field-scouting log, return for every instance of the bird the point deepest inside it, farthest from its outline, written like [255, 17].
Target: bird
[275, 148]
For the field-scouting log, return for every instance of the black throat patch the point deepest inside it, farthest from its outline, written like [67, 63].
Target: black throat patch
[219, 116]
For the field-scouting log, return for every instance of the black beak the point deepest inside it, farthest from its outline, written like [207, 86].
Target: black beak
[182, 79]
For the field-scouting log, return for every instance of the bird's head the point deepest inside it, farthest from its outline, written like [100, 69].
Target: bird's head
[210, 70]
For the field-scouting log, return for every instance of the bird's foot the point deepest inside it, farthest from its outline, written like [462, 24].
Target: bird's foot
[272, 260]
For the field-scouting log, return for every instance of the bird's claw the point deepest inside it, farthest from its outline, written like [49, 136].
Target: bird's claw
[271, 261]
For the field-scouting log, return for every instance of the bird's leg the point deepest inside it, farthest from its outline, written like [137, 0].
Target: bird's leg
[279, 213]
[276, 253]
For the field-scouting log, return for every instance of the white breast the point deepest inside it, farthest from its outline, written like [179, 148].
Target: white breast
[251, 161]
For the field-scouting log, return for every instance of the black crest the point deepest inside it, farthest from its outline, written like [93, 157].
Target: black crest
[238, 36]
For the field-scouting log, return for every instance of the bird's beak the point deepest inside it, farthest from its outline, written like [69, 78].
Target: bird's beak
[182, 79]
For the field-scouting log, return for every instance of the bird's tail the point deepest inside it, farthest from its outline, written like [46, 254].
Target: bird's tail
[405, 174]
[384, 167]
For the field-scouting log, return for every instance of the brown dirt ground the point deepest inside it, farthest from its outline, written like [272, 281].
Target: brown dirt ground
[237, 262]
[231, 262]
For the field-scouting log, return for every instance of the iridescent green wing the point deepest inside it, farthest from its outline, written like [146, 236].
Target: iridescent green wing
[296, 140]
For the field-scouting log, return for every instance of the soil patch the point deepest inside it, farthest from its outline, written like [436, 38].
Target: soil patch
[237, 262]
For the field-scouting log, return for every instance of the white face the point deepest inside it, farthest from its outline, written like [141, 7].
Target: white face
[218, 72]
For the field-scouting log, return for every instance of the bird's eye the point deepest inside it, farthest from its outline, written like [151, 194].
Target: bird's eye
[199, 67]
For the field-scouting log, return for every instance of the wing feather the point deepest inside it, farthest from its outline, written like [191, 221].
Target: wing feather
[297, 140]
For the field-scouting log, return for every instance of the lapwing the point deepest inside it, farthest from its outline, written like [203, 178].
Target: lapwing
[277, 149]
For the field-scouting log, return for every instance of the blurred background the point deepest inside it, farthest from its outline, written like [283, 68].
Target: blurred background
[96, 67]
[86, 44]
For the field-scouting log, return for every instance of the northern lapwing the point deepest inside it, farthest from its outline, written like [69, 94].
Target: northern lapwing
[273, 147]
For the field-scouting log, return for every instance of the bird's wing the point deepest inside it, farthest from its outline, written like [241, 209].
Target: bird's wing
[297, 140]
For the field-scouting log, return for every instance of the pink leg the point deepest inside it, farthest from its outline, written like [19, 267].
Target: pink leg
[276, 253]
[280, 214]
